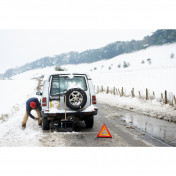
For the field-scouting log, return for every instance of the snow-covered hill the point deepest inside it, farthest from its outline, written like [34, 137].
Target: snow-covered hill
[152, 68]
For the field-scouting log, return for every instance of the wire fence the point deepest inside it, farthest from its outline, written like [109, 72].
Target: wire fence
[164, 97]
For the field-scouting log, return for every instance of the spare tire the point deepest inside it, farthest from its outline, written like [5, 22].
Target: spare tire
[76, 98]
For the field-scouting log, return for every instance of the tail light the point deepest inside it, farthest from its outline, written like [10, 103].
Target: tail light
[94, 99]
[44, 101]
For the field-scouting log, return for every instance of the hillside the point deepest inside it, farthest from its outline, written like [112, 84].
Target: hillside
[160, 37]
[152, 68]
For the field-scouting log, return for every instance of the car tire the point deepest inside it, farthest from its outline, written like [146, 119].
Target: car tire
[89, 121]
[45, 124]
[76, 98]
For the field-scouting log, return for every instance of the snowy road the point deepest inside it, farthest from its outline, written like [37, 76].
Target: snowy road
[122, 133]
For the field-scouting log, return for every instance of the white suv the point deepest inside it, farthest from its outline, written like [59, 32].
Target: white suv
[77, 89]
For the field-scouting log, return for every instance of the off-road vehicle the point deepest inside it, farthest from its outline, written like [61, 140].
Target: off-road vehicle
[70, 94]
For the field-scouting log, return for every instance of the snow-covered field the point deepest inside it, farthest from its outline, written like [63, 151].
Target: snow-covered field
[14, 93]
[157, 76]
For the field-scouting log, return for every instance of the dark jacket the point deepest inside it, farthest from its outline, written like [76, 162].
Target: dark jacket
[28, 108]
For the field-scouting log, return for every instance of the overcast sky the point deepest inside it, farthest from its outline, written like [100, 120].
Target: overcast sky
[18, 47]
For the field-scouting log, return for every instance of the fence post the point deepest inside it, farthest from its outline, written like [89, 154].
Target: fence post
[132, 93]
[139, 94]
[118, 91]
[114, 90]
[174, 99]
[147, 94]
[102, 89]
[122, 92]
[162, 96]
[153, 94]
[97, 89]
[107, 91]
[165, 97]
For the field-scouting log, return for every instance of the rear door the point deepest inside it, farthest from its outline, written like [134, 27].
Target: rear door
[59, 86]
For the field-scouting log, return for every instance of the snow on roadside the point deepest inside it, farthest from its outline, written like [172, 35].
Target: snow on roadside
[152, 108]
[16, 92]
[12, 135]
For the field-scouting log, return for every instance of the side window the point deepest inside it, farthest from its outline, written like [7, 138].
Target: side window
[55, 85]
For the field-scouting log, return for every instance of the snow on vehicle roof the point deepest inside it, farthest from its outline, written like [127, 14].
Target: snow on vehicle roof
[47, 76]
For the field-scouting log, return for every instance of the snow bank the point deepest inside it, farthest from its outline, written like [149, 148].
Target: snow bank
[152, 108]
[14, 94]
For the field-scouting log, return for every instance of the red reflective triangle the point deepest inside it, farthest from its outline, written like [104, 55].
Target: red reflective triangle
[101, 133]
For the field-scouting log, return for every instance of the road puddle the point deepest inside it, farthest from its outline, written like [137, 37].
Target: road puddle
[161, 129]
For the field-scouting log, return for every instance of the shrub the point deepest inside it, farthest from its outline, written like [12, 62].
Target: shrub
[58, 68]
[172, 55]
[149, 61]
[125, 64]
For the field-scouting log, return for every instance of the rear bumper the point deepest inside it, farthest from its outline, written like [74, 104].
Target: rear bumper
[75, 114]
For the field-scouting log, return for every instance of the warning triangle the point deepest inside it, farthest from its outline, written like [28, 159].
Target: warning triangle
[104, 132]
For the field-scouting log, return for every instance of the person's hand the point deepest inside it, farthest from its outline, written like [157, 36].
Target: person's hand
[36, 118]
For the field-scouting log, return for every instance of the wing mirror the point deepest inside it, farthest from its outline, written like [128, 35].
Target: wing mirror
[38, 93]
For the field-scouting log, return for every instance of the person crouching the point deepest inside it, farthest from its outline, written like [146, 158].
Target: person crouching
[32, 104]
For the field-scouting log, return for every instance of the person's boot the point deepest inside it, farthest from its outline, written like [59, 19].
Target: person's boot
[23, 126]
[40, 124]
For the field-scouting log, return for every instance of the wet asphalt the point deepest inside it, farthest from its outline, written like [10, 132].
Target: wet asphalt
[124, 133]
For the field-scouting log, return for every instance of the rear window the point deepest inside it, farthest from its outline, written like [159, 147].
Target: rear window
[60, 85]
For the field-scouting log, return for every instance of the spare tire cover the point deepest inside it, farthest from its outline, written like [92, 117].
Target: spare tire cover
[76, 98]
